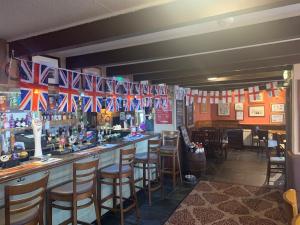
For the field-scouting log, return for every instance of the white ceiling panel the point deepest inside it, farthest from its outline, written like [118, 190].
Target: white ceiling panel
[24, 18]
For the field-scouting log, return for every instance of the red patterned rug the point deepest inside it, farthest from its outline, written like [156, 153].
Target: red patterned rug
[213, 203]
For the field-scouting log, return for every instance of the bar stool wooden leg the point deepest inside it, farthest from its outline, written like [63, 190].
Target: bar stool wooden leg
[133, 194]
[74, 212]
[144, 176]
[98, 216]
[114, 193]
[162, 176]
[99, 195]
[49, 212]
[121, 201]
[179, 167]
[174, 170]
[149, 184]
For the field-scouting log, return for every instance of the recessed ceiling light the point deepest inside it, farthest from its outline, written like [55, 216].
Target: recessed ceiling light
[212, 78]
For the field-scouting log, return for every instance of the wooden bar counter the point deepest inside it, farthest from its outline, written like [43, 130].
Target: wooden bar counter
[60, 168]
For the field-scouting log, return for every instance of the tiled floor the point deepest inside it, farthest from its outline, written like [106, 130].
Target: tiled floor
[242, 167]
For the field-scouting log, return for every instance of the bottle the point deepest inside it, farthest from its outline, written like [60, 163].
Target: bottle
[11, 121]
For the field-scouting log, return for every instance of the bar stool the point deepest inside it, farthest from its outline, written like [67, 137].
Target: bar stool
[150, 160]
[169, 149]
[82, 187]
[29, 209]
[118, 172]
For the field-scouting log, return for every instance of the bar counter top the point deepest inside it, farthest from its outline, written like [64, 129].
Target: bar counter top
[35, 166]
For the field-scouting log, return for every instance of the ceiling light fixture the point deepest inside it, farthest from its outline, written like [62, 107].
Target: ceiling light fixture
[212, 78]
[285, 74]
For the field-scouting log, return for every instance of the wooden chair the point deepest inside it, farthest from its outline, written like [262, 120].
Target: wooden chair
[262, 140]
[124, 169]
[82, 187]
[290, 196]
[276, 163]
[170, 149]
[296, 220]
[29, 209]
[150, 161]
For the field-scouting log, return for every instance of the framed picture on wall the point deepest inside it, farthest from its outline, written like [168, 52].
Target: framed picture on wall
[223, 109]
[239, 115]
[277, 107]
[277, 118]
[257, 111]
[239, 106]
[203, 107]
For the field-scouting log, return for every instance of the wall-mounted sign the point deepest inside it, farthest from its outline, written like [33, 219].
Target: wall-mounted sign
[277, 107]
[239, 115]
[257, 111]
[277, 118]
[163, 117]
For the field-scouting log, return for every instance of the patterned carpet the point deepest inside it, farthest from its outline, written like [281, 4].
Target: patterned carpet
[213, 203]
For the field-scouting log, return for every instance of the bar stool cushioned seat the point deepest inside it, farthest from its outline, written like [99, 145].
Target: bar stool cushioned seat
[114, 169]
[277, 159]
[144, 156]
[67, 189]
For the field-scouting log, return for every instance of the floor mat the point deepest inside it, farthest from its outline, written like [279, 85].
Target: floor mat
[216, 203]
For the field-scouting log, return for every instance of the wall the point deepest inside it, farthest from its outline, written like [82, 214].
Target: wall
[212, 110]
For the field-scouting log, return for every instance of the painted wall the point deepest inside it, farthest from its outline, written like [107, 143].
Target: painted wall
[212, 110]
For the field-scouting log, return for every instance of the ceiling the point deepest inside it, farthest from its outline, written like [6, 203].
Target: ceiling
[173, 42]
[20, 19]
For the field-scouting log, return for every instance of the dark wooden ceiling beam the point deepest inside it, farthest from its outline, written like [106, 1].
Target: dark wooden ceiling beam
[237, 37]
[139, 22]
[246, 56]
[226, 79]
[166, 76]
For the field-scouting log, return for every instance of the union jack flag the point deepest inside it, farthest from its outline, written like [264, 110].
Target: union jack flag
[126, 105]
[118, 104]
[145, 89]
[99, 103]
[154, 90]
[89, 101]
[110, 105]
[157, 103]
[147, 102]
[135, 89]
[135, 104]
[100, 85]
[69, 84]
[34, 86]
[109, 86]
[165, 103]
[121, 87]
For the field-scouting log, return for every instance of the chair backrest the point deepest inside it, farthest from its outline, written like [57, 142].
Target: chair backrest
[85, 173]
[126, 158]
[262, 134]
[290, 197]
[154, 147]
[170, 138]
[23, 198]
